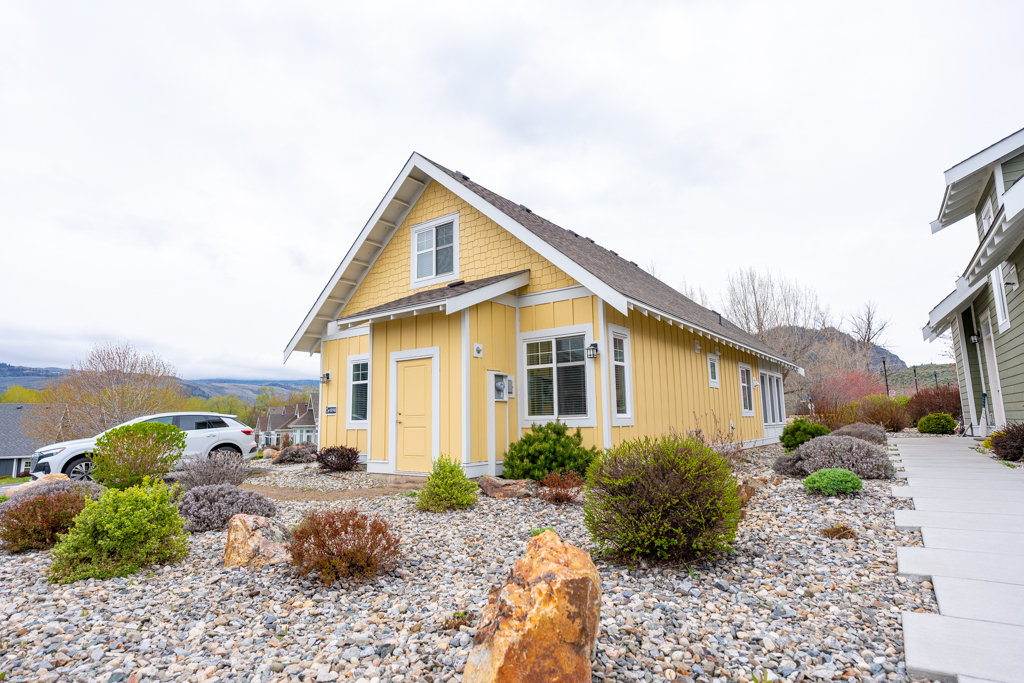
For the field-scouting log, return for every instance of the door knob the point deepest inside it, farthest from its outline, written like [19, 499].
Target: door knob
[398, 421]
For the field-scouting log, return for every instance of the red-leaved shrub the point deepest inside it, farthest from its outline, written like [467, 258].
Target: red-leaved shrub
[342, 543]
[835, 397]
[561, 488]
[1008, 442]
[882, 410]
[35, 524]
[338, 458]
[935, 400]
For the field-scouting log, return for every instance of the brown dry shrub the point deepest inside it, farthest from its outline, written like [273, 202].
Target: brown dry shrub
[1008, 442]
[861, 430]
[36, 523]
[839, 531]
[882, 410]
[561, 488]
[338, 458]
[342, 543]
[935, 400]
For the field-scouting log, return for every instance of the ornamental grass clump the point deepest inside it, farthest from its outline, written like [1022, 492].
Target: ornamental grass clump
[36, 523]
[833, 481]
[865, 432]
[335, 544]
[207, 508]
[846, 452]
[1008, 442]
[338, 458]
[672, 498]
[545, 449]
[220, 467]
[800, 432]
[447, 488]
[936, 423]
[125, 456]
[120, 533]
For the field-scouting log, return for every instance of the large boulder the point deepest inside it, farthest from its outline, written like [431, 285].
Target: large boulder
[299, 453]
[254, 541]
[45, 479]
[495, 487]
[542, 624]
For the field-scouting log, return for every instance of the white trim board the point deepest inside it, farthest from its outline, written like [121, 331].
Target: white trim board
[358, 358]
[629, 419]
[434, 353]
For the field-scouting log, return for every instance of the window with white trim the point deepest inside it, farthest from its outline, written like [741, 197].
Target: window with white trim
[713, 374]
[556, 378]
[358, 391]
[773, 407]
[622, 376]
[746, 390]
[999, 290]
[435, 251]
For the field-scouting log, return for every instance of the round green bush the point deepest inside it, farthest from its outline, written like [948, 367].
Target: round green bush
[800, 432]
[833, 481]
[936, 423]
[126, 455]
[447, 488]
[672, 498]
[545, 449]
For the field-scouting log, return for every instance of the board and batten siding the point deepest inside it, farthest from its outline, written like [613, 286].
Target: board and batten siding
[1009, 344]
[965, 406]
[406, 334]
[492, 325]
[333, 431]
[671, 386]
[485, 249]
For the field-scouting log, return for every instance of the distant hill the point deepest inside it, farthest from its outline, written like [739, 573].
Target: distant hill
[927, 376]
[877, 353]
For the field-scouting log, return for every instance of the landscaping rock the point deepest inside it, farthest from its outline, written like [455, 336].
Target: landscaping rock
[542, 623]
[56, 476]
[506, 489]
[255, 541]
[746, 492]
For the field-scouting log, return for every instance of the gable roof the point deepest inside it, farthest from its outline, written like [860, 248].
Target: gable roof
[13, 442]
[621, 283]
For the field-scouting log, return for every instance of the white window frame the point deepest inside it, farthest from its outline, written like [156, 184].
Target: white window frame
[590, 420]
[717, 382]
[349, 384]
[750, 373]
[416, 283]
[774, 381]
[618, 332]
[999, 298]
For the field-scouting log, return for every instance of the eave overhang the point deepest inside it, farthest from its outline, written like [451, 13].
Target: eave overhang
[940, 317]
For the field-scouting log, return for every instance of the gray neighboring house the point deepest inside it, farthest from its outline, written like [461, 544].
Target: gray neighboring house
[985, 313]
[15, 448]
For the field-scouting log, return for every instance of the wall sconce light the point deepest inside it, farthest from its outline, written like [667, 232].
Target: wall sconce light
[592, 350]
[696, 346]
[326, 377]
[974, 339]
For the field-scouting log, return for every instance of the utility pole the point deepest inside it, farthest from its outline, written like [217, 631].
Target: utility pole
[935, 372]
[916, 388]
[886, 372]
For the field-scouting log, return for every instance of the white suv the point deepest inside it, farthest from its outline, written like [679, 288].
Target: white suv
[204, 433]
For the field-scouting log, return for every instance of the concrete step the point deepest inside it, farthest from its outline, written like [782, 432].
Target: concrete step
[1006, 484]
[916, 519]
[924, 563]
[943, 648]
[987, 507]
[982, 600]
[956, 494]
[974, 541]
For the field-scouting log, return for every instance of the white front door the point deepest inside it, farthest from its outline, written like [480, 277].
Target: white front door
[995, 393]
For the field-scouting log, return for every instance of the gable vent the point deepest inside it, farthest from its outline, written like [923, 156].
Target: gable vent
[525, 208]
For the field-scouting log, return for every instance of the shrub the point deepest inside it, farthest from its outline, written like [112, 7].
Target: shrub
[561, 488]
[846, 452]
[800, 432]
[343, 542]
[120, 533]
[4, 499]
[987, 443]
[338, 458]
[220, 467]
[937, 423]
[882, 410]
[211, 507]
[447, 488]
[863, 431]
[35, 523]
[124, 456]
[833, 481]
[1008, 443]
[300, 452]
[86, 489]
[547, 448]
[835, 397]
[670, 498]
[935, 400]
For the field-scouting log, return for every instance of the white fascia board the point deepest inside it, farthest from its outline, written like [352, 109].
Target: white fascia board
[350, 256]
[523, 234]
[418, 309]
[940, 316]
[457, 303]
[1006, 147]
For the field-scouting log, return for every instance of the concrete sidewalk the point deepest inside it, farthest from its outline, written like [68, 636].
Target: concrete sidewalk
[970, 511]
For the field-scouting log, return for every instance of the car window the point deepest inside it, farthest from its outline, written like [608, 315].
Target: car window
[165, 420]
[191, 423]
[217, 423]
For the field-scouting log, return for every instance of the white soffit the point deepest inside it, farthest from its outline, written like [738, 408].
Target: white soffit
[940, 316]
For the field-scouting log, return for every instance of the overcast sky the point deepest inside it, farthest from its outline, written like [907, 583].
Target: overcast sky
[186, 176]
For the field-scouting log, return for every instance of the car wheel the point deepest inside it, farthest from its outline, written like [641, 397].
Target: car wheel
[233, 449]
[79, 469]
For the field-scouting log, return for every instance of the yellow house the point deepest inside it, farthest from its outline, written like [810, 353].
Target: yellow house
[460, 318]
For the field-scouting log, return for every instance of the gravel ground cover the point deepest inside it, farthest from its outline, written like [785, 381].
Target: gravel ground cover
[791, 601]
[308, 477]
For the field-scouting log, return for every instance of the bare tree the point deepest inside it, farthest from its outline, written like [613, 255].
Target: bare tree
[115, 383]
[867, 328]
[698, 294]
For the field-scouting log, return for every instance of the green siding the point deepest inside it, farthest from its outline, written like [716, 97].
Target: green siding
[961, 380]
[989, 195]
[1012, 170]
[1010, 347]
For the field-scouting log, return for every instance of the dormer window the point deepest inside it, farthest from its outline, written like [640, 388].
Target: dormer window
[435, 251]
